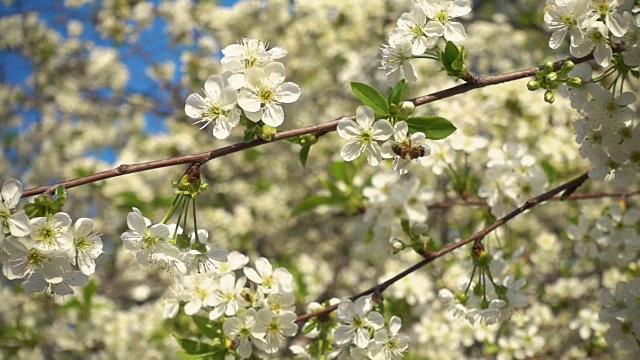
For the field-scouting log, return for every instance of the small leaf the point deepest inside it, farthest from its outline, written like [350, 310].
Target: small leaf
[207, 327]
[370, 97]
[194, 347]
[396, 93]
[313, 202]
[304, 154]
[451, 53]
[433, 127]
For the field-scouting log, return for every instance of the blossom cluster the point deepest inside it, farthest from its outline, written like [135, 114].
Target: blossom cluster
[49, 252]
[256, 310]
[608, 130]
[621, 310]
[360, 333]
[251, 87]
[612, 239]
[366, 133]
[156, 244]
[595, 26]
[488, 301]
[418, 32]
[513, 175]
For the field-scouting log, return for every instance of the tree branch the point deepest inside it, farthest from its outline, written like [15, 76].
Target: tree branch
[474, 82]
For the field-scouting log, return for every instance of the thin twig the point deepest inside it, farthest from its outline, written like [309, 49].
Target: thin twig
[379, 288]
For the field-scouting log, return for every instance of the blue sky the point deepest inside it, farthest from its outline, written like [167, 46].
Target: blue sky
[15, 69]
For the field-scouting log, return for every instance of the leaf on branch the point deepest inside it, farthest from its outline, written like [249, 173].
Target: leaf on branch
[195, 347]
[395, 97]
[370, 97]
[304, 154]
[433, 127]
[208, 328]
[314, 201]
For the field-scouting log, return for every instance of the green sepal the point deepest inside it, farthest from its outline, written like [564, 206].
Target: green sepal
[249, 134]
[395, 97]
[433, 127]
[370, 97]
[44, 204]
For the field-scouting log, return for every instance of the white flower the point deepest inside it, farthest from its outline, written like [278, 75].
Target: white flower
[263, 93]
[218, 105]
[87, 246]
[270, 281]
[252, 52]
[50, 232]
[150, 244]
[242, 330]
[25, 259]
[441, 11]
[275, 327]
[36, 283]
[17, 224]
[226, 296]
[413, 25]
[606, 9]
[389, 345]
[595, 36]
[356, 319]
[396, 60]
[565, 17]
[415, 147]
[203, 257]
[362, 135]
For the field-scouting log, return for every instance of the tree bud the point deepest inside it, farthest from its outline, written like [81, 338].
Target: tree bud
[567, 66]
[406, 109]
[549, 97]
[551, 77]
[548, 67]
[574, 81]
[533, 85]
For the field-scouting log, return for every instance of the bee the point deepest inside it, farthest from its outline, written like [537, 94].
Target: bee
[408, 151]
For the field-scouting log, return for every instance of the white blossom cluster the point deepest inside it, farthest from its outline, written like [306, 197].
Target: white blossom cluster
[256, 310]
[252, 86]
[366, 133]
[607, 130]
[595, 26]
[48, 252]
[155, 244]
[513, 175]
[419, 31]
[611, 239]
[621, 310]
[360, 333]
[487, 301]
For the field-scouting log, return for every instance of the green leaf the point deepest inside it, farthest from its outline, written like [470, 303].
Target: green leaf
[194, 347]
[397, 91]
[313, 202]
[208, 328]
[433, 127]
[44, 204]
[370, 97]
[451, 53]
[304, 154]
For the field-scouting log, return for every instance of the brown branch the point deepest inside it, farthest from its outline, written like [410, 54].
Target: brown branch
[377, 289]
[474, 82]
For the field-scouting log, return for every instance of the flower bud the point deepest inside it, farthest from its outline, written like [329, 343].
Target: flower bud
[548, 67]
[574, 81]
[406, 109]
[549, 97]
[397, 245]
[567, 66]
[533, 85]
[551, 77]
